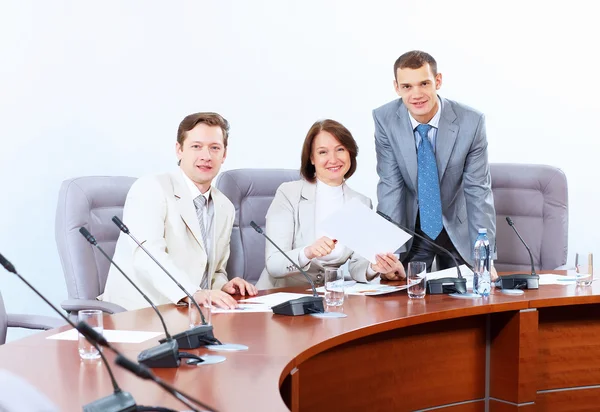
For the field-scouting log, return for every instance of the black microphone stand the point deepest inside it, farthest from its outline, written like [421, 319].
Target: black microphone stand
[165, 355]
[299, 306]
[519, 280]
[118, 401]
[442, 285]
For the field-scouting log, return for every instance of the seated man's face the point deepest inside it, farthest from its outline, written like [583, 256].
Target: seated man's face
[202, 154]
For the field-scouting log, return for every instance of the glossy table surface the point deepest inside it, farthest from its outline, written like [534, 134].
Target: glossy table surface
[251, 380]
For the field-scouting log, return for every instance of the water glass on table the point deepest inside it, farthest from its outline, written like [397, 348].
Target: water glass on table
[334, 286]
[416, 279]
[584, 266]
[93, 318]
[205, 304]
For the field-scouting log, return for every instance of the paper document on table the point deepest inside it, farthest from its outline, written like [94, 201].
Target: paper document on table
[451, 273]
[274, 298]
[113, 336]
[244, 308]
[364, 231]
[552, 279]
[367, 289]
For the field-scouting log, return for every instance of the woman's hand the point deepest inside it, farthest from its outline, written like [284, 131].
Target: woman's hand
[322, 247]
[389, 266]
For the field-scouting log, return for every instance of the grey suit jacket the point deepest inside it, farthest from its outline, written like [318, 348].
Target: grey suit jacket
[160, 212]
[291, 225]
[463, 169]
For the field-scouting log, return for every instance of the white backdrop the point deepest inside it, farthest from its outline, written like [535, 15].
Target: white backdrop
[98, 88]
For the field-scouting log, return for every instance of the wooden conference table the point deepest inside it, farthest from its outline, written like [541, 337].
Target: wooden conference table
[536, 352]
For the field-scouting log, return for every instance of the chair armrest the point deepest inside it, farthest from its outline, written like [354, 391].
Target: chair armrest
[34, 322]
[74, 305]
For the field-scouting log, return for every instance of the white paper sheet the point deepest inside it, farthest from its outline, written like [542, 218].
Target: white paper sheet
[364, 231]
[244, 308]
[275, 298]
[113, 336]
[552, 279]
[367, 289]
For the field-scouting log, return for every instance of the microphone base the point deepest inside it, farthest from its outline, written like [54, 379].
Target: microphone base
[195, 338]
[165, 355]
[116, 402]
[446, 286]
[300, 306]
[518, 281]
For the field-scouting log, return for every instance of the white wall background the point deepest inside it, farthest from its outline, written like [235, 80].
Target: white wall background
[89, 88]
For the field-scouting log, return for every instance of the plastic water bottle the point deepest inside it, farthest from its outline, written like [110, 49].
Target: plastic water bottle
[482, 281]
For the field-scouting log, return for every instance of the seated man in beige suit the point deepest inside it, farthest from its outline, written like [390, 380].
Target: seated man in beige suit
[184, 222]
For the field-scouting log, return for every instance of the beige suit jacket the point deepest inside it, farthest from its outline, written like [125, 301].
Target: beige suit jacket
[160, 213]
[291, 225]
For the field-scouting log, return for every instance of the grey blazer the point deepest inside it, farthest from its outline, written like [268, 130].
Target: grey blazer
[291, 225]
[463, 168]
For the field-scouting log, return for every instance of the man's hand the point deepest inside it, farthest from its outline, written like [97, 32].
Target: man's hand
[218, 298]
[389, 266]
[239, 286]
[322, 247]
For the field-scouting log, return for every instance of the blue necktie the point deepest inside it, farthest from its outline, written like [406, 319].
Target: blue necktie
[430, 204]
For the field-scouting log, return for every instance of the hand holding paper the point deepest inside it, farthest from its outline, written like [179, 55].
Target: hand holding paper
[364, 231]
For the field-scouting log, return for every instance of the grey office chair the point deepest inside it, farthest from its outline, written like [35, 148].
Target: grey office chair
[24, 321]
[536, 198]
[91, 202]
[251, 191]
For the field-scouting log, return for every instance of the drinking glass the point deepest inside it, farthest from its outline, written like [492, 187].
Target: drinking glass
[93, 318]
[205, 307]
[584, 266]
[416, 278]
[334, 286]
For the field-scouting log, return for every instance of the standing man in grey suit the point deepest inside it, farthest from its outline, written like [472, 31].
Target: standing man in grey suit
[434, 175]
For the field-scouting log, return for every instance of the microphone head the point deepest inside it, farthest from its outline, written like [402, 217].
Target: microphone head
[133, 367]
[87, 235]
[120, 224]
[383, 215]
[90, 333]
[7, 265]
[509, 221]
[256, 227]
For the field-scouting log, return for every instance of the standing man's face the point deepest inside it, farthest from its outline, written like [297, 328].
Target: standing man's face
[418, 90]
[202, 154]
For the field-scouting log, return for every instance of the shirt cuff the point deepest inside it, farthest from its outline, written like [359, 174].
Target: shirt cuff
[303, 260]
[371, 272]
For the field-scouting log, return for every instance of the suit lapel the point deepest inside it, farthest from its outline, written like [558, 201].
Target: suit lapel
[306, 212]
[219, 222]
[405, 138]
[185, 204]
[446, 137]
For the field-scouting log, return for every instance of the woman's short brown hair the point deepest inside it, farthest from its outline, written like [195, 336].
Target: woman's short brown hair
[208, 118]
[343, 135]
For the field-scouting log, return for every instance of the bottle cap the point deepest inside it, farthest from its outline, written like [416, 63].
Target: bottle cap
[482, 230]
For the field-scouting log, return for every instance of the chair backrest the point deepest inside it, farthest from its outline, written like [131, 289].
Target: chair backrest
[3, 321]
[89, 201]
[251, 191]
[536, 198]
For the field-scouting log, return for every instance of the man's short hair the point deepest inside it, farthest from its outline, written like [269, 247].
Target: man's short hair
[208, 118]
[415, 59]
[343, 135]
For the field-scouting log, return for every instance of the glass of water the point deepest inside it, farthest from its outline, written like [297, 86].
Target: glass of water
[93, 318]
[334, 286]
[584, 266]
[416, 278]
[205, 304]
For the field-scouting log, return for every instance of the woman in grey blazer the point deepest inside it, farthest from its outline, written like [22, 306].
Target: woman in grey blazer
[294, 217]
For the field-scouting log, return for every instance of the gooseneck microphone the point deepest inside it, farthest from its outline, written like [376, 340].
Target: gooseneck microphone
[300, 306]
[118, 401]
[442, 285]
[165, 355]
[139, 370]
[519, 280]
[192, 338]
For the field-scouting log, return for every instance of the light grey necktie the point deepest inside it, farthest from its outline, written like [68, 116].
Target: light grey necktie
[201, 206]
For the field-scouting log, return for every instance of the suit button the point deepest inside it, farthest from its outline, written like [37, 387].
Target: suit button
[319, 278]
